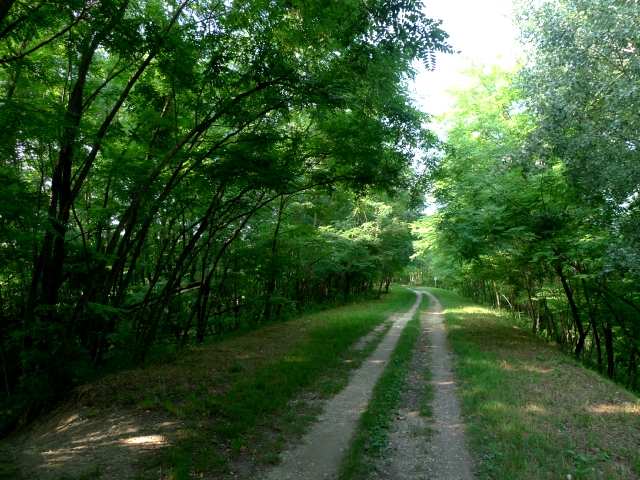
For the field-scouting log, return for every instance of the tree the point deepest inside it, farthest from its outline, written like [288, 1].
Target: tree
[149, 142]
[515, 230]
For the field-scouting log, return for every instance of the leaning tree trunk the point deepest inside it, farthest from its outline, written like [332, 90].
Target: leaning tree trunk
[272, 273]
[575, 314]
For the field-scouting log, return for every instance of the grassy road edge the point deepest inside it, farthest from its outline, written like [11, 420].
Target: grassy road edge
[532, 411]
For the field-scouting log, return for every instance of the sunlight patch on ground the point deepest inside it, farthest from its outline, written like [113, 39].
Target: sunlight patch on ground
[494, 406]
[609, 408]
[535, 368]
[146, 440]
[535, 408]
[468, 310]
[485, 363]
[67, 423]
[81, 441]
[506, 365]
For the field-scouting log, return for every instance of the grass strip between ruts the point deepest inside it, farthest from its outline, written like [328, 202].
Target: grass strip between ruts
[372, 434]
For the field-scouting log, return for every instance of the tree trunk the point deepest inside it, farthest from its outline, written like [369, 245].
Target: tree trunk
[594, 326]
[272, 272]
[574, 311]
[608, 343]
[633, 368]
[535, 316]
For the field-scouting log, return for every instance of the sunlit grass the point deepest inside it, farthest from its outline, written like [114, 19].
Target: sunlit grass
[467, 310]
[533, 412]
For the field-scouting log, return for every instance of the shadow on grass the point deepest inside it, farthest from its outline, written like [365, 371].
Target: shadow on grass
[84, 445]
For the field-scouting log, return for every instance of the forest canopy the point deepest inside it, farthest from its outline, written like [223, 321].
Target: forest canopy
[176, 169]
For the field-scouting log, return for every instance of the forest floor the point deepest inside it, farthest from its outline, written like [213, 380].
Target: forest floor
[363, 391]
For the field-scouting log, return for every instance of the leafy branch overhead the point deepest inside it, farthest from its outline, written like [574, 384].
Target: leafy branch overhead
[173, 170]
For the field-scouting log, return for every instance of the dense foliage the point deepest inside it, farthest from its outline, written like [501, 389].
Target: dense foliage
[171, 169]
[540, 181]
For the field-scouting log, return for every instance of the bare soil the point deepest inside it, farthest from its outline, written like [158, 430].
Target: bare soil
[448, 456]
[72, 443]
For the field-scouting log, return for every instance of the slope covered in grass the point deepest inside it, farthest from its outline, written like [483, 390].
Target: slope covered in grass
[533, 412]
[232, 404]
